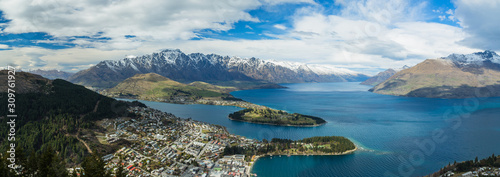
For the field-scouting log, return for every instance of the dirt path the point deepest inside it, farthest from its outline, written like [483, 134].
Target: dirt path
[96, 106]
[84, 143]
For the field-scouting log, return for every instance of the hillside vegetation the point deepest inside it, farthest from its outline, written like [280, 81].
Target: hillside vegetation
[155, 87]
[275, 117]
[318, 145]
[55, 115]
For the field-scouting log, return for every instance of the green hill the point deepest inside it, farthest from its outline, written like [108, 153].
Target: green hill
[57, 114]
[155, 87]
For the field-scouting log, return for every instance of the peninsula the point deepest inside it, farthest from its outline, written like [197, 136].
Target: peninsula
[319, 145]
[275, 117]
[154, 87]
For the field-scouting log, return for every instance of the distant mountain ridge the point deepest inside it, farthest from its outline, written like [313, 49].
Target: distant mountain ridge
[455, 76]
[478, 58]
[382, 76]
[182, 67]
[52, 74]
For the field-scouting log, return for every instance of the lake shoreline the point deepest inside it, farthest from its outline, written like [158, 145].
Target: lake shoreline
[382, 124]
[240, 104]
[285, 125]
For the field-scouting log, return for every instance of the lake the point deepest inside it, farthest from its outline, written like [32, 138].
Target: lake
[397, 136]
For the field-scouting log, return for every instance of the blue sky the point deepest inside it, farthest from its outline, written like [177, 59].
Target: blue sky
[365, 35]
[268, 16]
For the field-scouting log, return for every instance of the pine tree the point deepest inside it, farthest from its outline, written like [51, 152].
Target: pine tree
[4, 169]
[31, 165]
[59, 167]
[50, 165]
[44, 162]
[20, 157]
[93, 165]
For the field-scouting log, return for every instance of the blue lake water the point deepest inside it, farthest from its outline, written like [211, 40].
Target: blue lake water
[397, 136]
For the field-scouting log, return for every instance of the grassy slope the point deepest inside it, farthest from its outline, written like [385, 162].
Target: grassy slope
[434, 73]
[152, 86]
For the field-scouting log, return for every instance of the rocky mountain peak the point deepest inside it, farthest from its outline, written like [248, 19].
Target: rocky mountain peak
[487, 54]
[171, 51]
[477, 58]
[174, 64]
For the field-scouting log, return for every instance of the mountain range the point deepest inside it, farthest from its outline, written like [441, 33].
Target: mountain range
[382, 76]
[455, 76]
[212, 68]
[52, 74]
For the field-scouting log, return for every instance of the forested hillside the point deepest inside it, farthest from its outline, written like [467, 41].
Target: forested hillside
[57, 116]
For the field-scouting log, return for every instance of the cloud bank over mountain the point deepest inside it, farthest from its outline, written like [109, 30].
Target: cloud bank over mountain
[366, 35]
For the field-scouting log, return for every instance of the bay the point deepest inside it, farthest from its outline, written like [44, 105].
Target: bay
[397, 136]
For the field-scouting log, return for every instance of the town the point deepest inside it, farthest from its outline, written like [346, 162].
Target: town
[165, 145]
[481, 171]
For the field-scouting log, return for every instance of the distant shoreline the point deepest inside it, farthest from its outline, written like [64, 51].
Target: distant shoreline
[283, 125]
[239, 104]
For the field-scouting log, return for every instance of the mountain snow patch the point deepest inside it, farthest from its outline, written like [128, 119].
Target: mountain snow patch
[475, 58]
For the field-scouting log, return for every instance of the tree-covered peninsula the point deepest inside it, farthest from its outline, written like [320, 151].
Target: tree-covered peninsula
[319, 145]
[275, 117]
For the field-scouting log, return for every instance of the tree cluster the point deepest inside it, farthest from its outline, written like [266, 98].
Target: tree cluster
[277, 117]
[54, 116]
[49, 164]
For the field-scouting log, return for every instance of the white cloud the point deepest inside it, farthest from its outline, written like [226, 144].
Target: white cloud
[449, 12]
[479, 19]
[384, 11]
[393, 38]
[147, 19]
[451, 15]
[407, 44]
[248, 27]
[365, 35]
[280, 26]
[452, 18]
[274, 2]
[3, 46]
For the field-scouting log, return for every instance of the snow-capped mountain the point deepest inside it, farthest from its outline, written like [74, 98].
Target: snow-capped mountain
[477, 58]
[455, 76]
[176, 65]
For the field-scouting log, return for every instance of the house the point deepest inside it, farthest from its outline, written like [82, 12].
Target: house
[468, 174]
